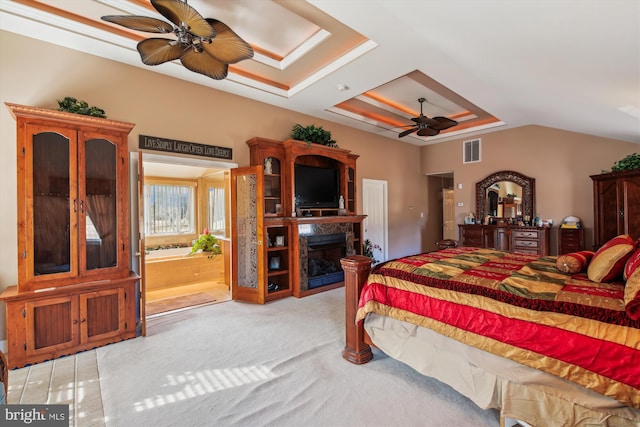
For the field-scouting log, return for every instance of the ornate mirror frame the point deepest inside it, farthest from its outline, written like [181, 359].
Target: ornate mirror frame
[528, 191]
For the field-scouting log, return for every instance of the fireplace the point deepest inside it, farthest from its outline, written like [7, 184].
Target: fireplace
[321, 246]
[324, 252]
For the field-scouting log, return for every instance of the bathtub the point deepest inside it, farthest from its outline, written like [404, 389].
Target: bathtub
[166, 268]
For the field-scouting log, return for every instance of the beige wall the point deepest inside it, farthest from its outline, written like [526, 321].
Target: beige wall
[561, 163]
[36, 73]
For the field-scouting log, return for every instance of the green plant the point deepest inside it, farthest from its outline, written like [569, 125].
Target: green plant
[632, 161]
[72, 105]
[367, 250]
[313, 134]
[208, 243]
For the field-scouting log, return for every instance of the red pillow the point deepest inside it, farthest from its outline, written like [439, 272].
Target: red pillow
[632, 295]
[575, 262]
[609, 261]
[633, 263]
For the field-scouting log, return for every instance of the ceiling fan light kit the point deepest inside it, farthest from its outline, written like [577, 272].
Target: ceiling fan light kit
[426, 126]
[203, 45]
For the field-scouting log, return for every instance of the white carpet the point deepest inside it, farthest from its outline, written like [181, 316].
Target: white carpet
[237, 364]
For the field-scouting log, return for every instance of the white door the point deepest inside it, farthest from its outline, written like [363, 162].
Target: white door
[448, 215]
[374, 205]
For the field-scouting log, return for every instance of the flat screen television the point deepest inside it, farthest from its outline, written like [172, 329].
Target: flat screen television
[316, 187]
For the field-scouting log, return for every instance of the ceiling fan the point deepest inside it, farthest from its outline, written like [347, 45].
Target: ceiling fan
[205, 46]
[428, 126]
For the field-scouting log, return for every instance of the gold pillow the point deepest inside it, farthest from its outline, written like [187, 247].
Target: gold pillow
[608, 262]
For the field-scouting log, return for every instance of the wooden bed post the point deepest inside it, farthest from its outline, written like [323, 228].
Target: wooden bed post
[356, 270]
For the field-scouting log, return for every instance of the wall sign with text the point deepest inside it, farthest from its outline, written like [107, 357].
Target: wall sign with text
[182, 147]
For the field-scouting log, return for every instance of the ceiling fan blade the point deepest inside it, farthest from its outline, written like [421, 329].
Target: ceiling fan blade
[227, 46]
[443, 123]
[203, 63]
[428, 132]
[156, 51]
[140, 23]
[407, 132]
[179, 12]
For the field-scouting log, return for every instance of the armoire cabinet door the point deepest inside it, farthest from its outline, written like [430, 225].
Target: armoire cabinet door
[50, 228]
[51, 325]
[631, 202]
[102, 314]
[609, 220]
[99, 200]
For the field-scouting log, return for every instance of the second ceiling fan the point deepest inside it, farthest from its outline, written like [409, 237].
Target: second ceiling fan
[428, 126]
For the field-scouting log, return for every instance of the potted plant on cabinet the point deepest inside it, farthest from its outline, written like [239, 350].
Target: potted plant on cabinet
[313, 134]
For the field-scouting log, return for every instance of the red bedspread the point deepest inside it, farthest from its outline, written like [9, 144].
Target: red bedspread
[519, 307]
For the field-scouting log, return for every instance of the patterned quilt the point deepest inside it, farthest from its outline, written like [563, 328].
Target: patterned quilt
[519, 307]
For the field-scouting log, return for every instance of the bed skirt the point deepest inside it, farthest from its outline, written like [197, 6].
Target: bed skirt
[490, 381]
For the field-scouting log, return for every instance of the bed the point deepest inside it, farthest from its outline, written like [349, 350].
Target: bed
[509, 331]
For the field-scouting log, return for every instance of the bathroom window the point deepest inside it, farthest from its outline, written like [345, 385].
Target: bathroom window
[169, 209]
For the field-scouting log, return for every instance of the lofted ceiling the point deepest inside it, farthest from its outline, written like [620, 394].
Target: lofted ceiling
[488, 64]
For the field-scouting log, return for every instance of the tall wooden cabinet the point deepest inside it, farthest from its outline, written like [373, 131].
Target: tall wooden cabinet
[75, 289]
[616, 204]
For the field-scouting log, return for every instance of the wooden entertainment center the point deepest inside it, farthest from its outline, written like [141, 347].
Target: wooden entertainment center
[273, 237]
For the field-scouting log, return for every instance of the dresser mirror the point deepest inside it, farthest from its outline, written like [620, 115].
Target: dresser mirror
[506, 194]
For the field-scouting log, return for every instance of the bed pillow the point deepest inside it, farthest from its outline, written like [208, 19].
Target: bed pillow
[633, 264]
[575, 262]
[632, 295]
[609, 261]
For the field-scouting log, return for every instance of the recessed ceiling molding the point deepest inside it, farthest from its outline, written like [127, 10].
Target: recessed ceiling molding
[304, 48]
[356, 116]
[358, 51]
[131, 8]
[296, 54]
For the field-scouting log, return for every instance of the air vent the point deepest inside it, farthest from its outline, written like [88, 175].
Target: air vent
[471, 151]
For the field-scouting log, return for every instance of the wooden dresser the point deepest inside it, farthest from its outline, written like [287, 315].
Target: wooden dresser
[510, 238]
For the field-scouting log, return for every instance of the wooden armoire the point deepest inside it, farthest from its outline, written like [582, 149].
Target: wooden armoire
[75, 290]
[616, 204]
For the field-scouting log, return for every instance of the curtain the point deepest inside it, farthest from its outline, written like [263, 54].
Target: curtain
[102, 210]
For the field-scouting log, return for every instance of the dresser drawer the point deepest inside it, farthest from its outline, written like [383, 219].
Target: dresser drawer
[525, 244]
[470, 233]
[524, 234]
[527, 251]
[473, 241]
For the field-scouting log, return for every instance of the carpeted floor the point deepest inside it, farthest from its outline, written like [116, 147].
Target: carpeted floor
[280, 364]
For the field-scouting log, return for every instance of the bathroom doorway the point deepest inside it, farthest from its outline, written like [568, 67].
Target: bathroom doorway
[181, 199]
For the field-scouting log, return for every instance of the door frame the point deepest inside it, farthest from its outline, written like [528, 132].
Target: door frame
[137, 160]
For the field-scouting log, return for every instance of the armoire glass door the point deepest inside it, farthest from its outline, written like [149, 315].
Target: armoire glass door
[99, 203]
[52, 231]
